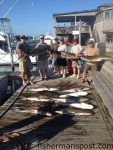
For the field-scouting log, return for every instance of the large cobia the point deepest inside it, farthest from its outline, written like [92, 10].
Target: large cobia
[69, 55]
[41, 49]
[87, 58]
[94, 58]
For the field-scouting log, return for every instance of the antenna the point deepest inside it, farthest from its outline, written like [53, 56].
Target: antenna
[1, 1]
[9, 10]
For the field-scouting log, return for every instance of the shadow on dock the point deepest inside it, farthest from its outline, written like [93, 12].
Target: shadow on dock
[35, 133]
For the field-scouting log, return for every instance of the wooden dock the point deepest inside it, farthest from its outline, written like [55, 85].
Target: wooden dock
[3, 86]
[37, 120]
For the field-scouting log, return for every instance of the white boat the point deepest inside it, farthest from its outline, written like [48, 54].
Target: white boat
[5, 58]
[49, 39]
[8, 44]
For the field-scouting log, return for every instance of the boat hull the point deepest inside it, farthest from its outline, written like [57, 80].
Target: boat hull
[3, 87]
[5, 59]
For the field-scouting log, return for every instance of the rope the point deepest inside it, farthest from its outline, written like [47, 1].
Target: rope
[10, 9]
[1, 2]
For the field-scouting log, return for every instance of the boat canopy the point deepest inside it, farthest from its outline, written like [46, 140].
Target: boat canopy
[2, 38]
[2, 52]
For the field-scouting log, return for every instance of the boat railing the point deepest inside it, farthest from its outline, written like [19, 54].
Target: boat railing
[70, 29]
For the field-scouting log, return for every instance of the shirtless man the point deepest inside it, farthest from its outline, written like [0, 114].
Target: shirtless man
[90, 51]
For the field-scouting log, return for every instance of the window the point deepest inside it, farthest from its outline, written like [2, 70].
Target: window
[111, 14]
[99, 17]
[107, 14]
[109, 37]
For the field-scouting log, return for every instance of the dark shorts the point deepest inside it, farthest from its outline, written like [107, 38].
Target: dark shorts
[61, 62]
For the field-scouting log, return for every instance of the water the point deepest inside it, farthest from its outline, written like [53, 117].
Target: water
[6, 69]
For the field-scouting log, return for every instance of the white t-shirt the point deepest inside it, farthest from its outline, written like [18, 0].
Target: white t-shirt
[76, 49]
[62, 48]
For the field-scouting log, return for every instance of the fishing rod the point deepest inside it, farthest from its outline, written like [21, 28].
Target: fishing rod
[10, 8]
[2, 1]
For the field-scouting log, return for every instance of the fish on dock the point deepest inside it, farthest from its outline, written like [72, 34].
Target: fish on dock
[64, 112]
[35, 99]
[71, 99]
[76, 94]
[80, 105]
[43, 89]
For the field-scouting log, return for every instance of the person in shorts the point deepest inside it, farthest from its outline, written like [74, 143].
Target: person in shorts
[90, 51]
[43, 54]
[76, 63]
[61, 62]
[25, 66]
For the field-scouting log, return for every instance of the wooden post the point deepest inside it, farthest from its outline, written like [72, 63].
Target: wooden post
[80, 32]
[75, 20]
[10, 51]
[55, 26]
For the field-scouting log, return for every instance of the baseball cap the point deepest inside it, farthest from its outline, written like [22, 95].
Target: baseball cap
[23, 37]
[61, 39]
[91, 42]
[41, 36]
[56, 38]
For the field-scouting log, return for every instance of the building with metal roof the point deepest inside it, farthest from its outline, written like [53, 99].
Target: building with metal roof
[96, 23]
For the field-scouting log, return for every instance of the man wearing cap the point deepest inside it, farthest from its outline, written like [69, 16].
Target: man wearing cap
[25, 65]
[90, 51]
[76, 63]
[43, 54]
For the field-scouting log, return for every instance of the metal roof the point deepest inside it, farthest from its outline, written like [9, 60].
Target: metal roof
[108, 31]
[75, 12]
[2, 38]
[70, 16]
[106, 5]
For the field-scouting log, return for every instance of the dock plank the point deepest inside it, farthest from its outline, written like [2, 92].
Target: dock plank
[57, 128]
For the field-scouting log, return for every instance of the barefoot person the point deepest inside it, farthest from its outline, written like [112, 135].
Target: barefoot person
[25, 65]
[90, 51]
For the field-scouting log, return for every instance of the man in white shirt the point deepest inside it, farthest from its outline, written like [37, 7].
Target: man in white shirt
[62, 62]
[76, 63]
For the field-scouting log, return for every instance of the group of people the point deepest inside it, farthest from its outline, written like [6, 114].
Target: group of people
[54, 51]
[76, 63]
[25, 66]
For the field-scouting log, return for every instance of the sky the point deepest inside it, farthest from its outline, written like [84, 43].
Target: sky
[35, 17]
